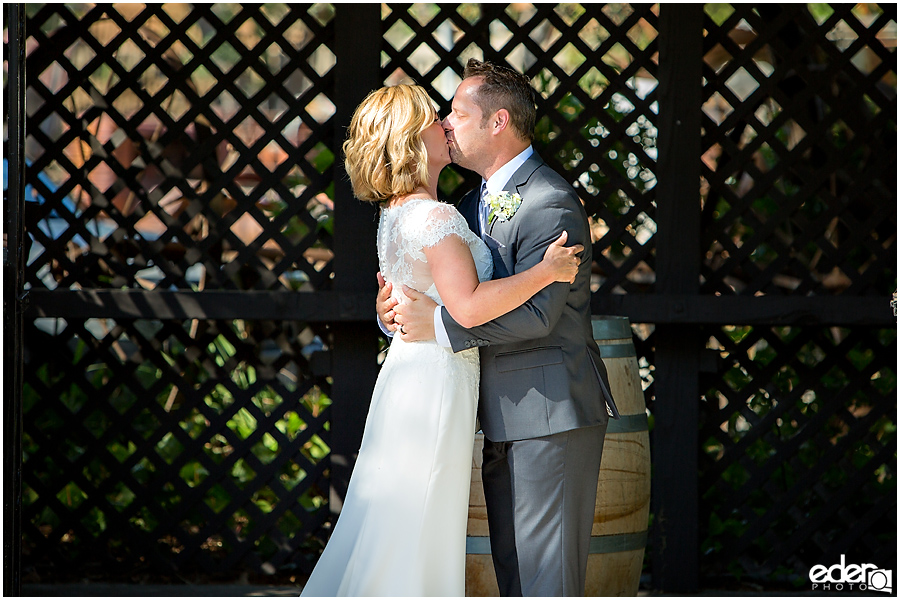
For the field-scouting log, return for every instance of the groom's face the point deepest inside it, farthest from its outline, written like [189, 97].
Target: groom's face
[467, 136]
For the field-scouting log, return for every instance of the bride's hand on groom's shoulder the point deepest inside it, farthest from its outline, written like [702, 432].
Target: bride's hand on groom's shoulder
[415, 318]
[384, 304]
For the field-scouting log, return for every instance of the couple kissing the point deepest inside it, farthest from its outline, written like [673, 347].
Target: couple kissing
[488, 306]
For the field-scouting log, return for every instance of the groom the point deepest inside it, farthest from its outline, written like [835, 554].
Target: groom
[545, 398]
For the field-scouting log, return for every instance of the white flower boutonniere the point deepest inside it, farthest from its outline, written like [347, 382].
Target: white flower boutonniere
[503, 205]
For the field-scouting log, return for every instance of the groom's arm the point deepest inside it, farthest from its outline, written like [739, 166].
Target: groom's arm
[538, 316]
[384, 306]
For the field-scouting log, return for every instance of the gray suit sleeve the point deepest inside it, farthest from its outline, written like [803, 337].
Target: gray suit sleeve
[553, 213]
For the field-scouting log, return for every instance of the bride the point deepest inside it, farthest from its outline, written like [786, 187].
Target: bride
[402, 529]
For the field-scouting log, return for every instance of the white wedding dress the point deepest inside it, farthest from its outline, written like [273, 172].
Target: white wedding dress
[402, 529]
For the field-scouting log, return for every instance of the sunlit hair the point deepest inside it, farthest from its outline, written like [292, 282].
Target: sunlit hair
[384, 153]
[504, 88]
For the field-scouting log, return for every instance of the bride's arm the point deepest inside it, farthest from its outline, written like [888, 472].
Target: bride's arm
[471, 303]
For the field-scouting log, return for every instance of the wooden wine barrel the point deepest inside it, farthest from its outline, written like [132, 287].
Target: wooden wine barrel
[619, 534]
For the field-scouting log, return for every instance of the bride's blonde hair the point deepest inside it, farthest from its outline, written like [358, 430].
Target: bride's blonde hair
[384, 154]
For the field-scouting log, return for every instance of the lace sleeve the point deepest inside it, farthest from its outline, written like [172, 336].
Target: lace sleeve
[434, 222]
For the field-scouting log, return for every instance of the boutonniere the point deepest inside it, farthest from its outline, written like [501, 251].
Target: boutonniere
[503, 205]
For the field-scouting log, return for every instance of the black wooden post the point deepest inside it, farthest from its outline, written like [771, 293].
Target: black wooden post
[13, 271]
[354, 368]
[675, 444]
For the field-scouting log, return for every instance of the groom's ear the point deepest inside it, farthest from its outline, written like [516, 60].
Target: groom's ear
[500, 121]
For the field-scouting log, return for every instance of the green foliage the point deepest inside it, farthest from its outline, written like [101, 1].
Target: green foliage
[773, 185]
[253, 414]
[599, 160]
[814, 431]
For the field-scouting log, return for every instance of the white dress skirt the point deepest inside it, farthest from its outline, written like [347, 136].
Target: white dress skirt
[402, 528]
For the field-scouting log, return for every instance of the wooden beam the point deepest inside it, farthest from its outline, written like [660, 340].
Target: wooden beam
[211, 304]
[674, 443]
[358, 39]
[687, 309]
[13, 282]
[344, 306]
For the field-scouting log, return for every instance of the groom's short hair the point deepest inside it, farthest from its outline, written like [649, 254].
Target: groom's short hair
[504, 88]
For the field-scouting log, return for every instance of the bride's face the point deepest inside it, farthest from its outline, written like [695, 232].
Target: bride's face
[436, 144]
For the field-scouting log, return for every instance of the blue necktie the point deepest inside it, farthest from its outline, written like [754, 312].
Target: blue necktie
[484, 210]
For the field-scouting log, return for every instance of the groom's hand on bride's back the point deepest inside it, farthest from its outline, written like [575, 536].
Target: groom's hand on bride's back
[415, 319]
[384, 304]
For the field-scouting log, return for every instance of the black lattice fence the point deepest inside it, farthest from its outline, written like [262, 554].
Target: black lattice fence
[178, 147]
[181, 147]
[799, 199]
[201, 347]
[800, 151]
[798, 451]
[196, 445]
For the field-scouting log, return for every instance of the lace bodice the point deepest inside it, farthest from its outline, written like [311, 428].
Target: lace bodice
[405, 230]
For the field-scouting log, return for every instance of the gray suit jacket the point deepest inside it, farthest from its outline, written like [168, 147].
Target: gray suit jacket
[541, 371]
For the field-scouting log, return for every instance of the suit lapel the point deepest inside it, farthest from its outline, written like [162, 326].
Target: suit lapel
[519, 180]
[468, 208]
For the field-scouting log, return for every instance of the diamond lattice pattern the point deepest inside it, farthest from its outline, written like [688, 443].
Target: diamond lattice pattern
[800, 150]
[798, 443]
[196, 444]
[180, 146]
